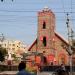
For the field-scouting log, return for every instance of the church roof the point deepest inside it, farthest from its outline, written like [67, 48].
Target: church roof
[32, 44]
[56, 34]
[61, 37]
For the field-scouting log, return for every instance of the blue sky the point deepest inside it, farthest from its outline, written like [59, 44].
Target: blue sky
[18, 19]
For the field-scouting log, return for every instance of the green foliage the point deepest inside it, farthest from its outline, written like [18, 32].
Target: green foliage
[15, 58]
[13, 55]
[3, 53]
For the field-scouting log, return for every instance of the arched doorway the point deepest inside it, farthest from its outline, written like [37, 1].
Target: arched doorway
[62, 58]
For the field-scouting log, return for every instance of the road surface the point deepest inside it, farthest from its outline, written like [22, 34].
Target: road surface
[44, 73]
[14, 73]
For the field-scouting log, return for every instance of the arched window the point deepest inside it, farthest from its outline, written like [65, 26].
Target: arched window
[43, 59]
[62, 58]
[44, 25]
[44, 41]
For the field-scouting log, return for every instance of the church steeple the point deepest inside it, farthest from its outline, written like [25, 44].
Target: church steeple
[46, 27]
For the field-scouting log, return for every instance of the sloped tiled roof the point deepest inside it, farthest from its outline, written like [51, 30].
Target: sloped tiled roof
[62, 38]
[32, 44]
[57, 34]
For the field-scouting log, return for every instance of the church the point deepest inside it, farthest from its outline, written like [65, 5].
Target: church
[48, 43]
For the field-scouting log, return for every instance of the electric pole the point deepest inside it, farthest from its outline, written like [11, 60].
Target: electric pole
[70, 38]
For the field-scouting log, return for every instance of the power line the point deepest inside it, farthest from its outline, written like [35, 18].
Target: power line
[63, 5]
[63, 9]
[15, 18]
[3, 0]
[31, 11]
[71, 7]
[18, 11]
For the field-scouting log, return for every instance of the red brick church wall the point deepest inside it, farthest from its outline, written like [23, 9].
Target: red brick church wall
[54, 52]
[61, 53]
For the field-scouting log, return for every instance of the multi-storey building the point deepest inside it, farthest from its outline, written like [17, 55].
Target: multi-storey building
[15, 46]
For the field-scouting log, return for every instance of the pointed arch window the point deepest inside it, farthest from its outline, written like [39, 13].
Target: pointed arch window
[44, 25]
[44, 41]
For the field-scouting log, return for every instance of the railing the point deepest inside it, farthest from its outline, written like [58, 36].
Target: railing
[53, 68]
[8, 67]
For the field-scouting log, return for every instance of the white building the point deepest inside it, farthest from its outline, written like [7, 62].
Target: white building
[15, 46]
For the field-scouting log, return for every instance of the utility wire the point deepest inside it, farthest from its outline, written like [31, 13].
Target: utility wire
[3, 0]
[71, 6]
[30, 11]
[62, 2]
[72, 14]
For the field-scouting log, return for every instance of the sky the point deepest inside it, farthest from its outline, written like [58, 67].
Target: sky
[18, 19]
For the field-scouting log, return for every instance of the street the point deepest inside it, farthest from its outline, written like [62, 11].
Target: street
[44, 73]
[14, 73]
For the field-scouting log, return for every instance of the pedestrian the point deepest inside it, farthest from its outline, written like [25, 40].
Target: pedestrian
[62, 70]
[21, 68]
[63, 67]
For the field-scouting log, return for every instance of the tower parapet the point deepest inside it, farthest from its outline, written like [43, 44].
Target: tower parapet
[47, 11]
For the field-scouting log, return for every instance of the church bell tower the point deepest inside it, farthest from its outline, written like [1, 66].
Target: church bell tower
[46, 27]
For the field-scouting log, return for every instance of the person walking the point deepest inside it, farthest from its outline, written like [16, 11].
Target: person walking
[62, 70]
[21, 68]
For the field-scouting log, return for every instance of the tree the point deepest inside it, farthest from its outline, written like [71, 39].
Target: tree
[3, 53]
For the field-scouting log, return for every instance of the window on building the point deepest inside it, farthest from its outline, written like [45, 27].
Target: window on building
[5, 44]
[62, 60]
[44, 59]
[9, 48]
[13, 44]
[44, 41]
[44, 25]
[19, 43]
[13, 48]
[73, 43]
[9, 44]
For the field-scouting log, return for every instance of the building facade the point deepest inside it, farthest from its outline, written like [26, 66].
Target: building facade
[15, 46]
[48, 42]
